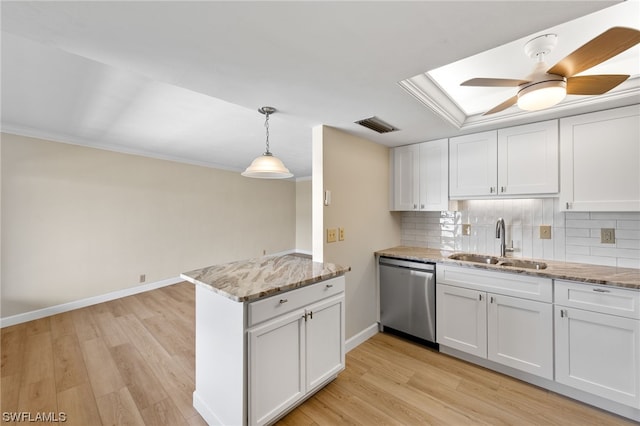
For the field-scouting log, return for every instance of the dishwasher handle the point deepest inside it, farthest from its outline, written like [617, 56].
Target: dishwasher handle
[406, 264]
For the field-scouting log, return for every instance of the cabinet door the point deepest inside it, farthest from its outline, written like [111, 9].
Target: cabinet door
[461, 319]
[528, 159]
[473, 165]
[520, 335]
[405, 177]
[600, 154]
[599, 354]
[324, 340]
[434, 175]
[276, 366]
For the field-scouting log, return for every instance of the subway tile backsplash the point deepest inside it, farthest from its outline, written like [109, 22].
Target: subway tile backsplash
[575, 236]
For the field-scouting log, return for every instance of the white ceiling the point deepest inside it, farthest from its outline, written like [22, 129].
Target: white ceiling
[183, 80]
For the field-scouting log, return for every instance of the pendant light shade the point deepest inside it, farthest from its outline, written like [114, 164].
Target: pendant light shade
[267, 166]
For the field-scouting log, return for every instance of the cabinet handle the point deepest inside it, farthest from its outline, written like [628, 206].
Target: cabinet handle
[480, 297]
[415, 206]
[492, 190]
[329, 285]
[491, 299]
[305, 317]
[503, 188]
[283, 301]
[422, 206]
[601, 290]
[563, 313]
[568, 205]
[310, 314]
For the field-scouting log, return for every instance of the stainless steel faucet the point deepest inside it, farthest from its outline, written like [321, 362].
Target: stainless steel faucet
[500, 233]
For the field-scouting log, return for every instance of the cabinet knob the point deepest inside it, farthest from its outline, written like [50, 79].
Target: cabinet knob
[283, 301]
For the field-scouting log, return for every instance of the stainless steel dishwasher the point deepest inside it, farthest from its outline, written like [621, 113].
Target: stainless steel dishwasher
[407, 297]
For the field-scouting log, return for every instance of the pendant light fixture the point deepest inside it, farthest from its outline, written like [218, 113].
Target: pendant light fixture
[267, 166]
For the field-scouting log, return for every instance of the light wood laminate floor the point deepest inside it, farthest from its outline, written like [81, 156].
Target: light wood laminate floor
[131, 361]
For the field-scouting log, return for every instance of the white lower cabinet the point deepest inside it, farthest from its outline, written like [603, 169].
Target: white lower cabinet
[518, 334]
[461, 319]
[276, 367]
[474, 317]
[581, 340]
[597, 351]
[293, 354]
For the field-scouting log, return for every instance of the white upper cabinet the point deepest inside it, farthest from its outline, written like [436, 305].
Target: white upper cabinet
[528, 159]
[473, 165]
[405, 175]
[434, 175]
[521, 160]
[600, 154]
[420, 177]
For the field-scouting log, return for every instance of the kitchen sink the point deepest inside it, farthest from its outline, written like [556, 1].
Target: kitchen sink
[526, 264]
[493, 260]
[476, 258]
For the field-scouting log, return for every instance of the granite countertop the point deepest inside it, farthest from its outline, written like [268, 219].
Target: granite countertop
[253, 279]
[593, 274]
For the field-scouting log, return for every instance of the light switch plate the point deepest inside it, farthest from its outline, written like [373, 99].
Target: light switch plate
[545, 232]
[331, 235]
[340, 234]
[607, 235]
[466, 229]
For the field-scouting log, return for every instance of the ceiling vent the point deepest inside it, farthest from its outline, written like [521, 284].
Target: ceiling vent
[377, 125]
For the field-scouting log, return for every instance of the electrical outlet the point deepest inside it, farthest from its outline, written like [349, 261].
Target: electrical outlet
[331, 235]
[545, 232]
[340, 234]
[143, 278]
[466, 229]
[607, 236]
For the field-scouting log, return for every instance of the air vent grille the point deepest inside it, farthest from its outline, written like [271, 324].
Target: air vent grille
[377, 125]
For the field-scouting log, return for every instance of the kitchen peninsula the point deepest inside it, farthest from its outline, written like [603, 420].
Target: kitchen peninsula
[269, 333]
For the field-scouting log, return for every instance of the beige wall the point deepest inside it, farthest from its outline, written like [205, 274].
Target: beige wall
[79, 222]
[303, 215]
[356, 171]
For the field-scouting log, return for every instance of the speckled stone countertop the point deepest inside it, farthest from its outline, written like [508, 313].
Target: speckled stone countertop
[593, 274]
[252, 279]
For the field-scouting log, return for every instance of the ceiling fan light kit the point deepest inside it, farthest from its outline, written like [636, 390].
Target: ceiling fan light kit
[541, 95]
[545, 88]
[267, 166]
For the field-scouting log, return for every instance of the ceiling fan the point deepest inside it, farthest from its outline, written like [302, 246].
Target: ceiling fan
[544, 87]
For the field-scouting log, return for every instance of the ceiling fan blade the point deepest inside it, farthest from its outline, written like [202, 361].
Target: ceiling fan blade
[493, 82]
[593, 84]
[506, 104]
[605, 46]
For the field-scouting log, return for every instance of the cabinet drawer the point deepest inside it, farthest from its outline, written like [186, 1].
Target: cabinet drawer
[509, 284]
[598, 298]
[283, 303]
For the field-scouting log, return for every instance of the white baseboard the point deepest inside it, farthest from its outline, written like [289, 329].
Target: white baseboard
[361, 337]
[76, 304]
